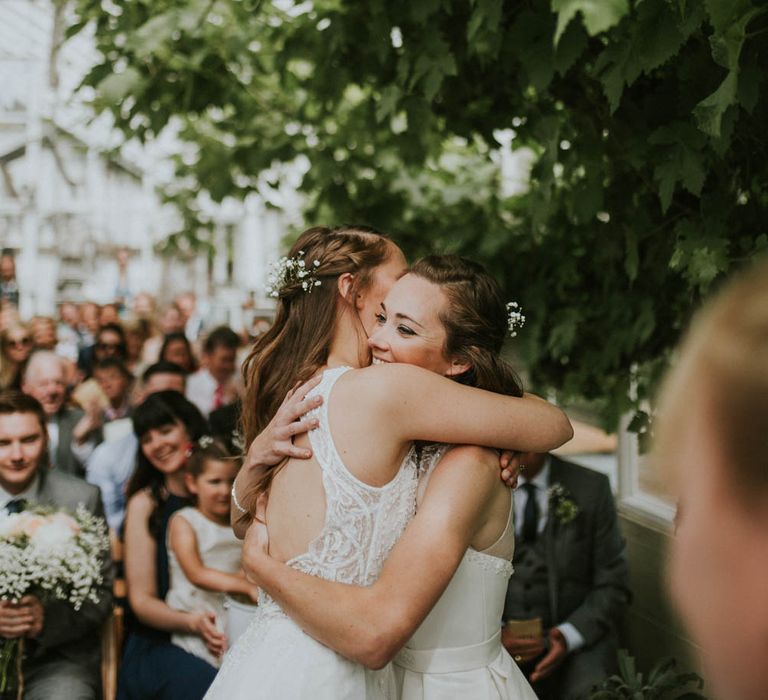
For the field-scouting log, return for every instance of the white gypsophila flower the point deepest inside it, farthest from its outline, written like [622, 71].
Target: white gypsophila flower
[515, 318]
[286, 271]
[53, 554]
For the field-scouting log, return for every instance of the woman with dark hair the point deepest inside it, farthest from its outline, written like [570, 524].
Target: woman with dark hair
[166, 424]
[15, 349]
[176, 348]
[338, 515]
[441, 591]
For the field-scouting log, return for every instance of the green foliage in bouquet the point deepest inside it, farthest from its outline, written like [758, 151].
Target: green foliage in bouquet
[644, 121]
[663, 682]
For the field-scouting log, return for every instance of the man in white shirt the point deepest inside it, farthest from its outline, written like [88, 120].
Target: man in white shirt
[213, 386]
[112, 463]
[570, 572]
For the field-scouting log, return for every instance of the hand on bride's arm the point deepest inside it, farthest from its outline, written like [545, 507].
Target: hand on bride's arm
[273, 445]
[275, 442]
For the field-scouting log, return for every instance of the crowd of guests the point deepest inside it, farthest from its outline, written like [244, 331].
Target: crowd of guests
[134, 413]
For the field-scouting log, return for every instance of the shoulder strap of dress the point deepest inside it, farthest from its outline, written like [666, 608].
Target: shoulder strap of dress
[320, 438]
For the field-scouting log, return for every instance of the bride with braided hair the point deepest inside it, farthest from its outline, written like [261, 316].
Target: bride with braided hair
[337, 514]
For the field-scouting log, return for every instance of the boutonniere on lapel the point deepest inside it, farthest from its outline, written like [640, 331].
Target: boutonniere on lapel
[561, 505]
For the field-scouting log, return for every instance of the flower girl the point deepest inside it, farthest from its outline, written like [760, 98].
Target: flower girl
[204, 553]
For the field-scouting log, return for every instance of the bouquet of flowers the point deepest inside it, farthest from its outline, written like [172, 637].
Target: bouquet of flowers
[52, 554]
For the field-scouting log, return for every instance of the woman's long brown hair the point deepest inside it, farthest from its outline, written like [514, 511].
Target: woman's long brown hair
[298, 342]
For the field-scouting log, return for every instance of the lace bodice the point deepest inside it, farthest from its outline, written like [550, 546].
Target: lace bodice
[362, 522]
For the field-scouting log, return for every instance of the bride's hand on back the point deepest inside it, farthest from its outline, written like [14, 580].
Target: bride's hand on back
[275, 442]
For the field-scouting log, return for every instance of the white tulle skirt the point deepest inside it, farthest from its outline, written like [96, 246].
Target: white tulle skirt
[274, 660]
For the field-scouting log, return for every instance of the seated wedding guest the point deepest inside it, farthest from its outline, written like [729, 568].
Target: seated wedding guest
[115, 381]
[15, 349]
[225, 425]
[109, 314]
[711, 430]
[72, 433]
[152, 667]
[89, 323]
[112, 462]
[44, 333]
[68, 331]
[570, 584]
[136, 333]
[213, 386]
[63, 645]
[169, 321]
[203, 552]
[176, 348]
[110, 342]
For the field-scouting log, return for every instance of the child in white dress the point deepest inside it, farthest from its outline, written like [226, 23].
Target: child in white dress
[203, 552]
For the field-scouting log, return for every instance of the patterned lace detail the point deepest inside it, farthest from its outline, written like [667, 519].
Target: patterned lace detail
[496, 565]
[362, 522]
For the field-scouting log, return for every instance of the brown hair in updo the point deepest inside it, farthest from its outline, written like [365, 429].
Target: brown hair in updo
[298, 342]
[475, 321]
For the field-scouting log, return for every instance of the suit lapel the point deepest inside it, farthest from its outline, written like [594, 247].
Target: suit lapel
[552, 583]
[550, 533]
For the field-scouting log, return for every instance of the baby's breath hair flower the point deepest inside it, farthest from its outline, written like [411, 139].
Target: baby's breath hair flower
[205, 441]
[515, 318]
[287, 271]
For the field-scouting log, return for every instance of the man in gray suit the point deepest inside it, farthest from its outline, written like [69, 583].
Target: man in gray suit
[72, 433]
[570, 571]
[63, 645]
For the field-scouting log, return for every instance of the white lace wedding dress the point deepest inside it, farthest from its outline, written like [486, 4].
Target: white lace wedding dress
[457, 651]
[274, 659]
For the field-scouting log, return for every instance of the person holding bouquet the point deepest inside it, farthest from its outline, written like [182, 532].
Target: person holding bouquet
[61, 644]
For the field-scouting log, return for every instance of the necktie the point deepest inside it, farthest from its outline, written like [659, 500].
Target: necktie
[218, 396]
[15, 505]
[530, 514]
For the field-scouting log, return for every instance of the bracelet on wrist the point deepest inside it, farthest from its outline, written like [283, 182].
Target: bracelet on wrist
[237, 503]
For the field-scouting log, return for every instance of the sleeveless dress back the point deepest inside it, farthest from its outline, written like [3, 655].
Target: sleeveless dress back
[273, 658]
[457, 651]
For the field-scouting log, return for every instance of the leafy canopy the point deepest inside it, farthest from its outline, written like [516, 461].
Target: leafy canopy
[645, 119]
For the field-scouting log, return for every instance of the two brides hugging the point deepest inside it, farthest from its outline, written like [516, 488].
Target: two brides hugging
[390, 533]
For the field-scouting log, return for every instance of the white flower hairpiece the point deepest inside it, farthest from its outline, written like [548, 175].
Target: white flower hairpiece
[287, 271]
[205, 441]
[515, 318]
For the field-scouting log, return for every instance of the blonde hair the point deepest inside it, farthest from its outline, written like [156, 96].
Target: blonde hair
[723, 363]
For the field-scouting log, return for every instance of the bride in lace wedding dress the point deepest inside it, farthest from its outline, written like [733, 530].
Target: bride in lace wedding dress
[444, 583]
[337, 515]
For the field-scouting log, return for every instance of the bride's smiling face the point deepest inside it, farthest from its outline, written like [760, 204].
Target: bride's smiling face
[408, 327]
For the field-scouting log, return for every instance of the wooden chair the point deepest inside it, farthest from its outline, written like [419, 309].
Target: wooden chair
[113, 631]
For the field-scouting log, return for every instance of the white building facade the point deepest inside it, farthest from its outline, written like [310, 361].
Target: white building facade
[68, 203]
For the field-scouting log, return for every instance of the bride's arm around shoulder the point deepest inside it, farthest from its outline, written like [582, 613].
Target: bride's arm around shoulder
[422, 405]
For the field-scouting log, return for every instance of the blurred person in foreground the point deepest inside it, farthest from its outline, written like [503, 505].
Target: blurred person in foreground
[63, 644]
[711, 433]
